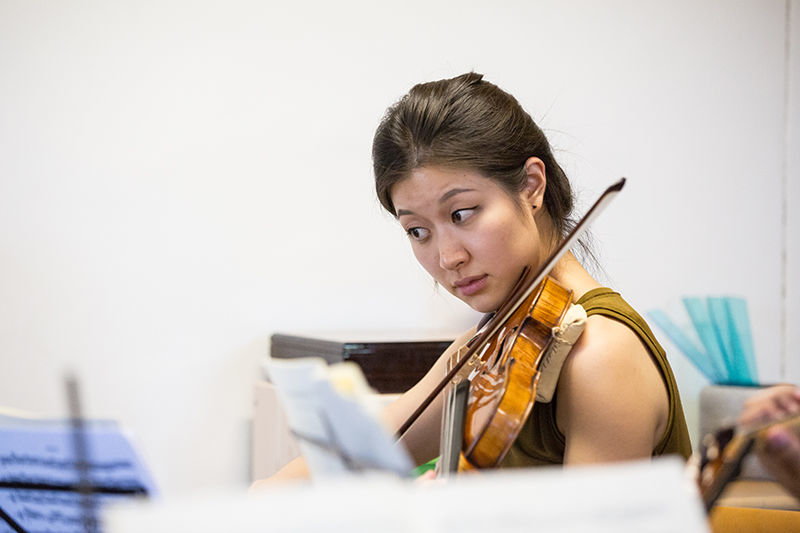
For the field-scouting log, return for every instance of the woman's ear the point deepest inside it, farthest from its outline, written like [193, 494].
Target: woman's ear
[533, 193]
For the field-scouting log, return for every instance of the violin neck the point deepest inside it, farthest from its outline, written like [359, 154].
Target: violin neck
[754, 431]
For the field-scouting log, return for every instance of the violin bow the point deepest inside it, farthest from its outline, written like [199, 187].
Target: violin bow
[524, 287]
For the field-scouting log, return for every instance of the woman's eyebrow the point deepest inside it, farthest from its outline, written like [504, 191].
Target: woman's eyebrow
[452, 192]
[446, 196]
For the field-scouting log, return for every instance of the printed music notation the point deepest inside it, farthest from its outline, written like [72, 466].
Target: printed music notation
[40, 489]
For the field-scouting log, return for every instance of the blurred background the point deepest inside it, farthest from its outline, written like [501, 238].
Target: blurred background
[180, 180]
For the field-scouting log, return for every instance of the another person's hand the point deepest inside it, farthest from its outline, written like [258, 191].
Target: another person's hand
[770, 405]
[778, 447]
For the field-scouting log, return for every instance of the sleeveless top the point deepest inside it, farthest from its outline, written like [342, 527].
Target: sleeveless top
[540, 442]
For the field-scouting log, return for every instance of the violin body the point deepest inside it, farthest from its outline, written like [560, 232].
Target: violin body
[503, 386]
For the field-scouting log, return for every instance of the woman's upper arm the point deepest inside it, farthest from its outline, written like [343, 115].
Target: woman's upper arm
[612, 401]
[422, 438]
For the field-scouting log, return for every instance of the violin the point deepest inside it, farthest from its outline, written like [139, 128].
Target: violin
[494, 383]
[488, 401]
[721, 454]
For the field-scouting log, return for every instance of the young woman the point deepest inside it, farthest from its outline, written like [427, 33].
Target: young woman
[473, 181]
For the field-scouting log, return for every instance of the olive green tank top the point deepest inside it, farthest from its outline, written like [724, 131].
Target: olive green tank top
[541, 443]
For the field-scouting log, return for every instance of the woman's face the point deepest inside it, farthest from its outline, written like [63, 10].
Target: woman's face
[468, 233]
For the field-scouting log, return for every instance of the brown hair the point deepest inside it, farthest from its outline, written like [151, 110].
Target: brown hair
[467, 122]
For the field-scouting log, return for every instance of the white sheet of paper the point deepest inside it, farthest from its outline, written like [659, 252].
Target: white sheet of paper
[636, 497]
[314, 408]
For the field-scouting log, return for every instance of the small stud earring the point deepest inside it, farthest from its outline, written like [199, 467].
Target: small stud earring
[533, 206]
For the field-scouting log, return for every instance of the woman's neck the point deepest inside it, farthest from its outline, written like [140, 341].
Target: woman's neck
[571, 274]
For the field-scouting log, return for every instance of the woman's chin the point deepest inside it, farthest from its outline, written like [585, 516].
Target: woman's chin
[482, 305]
[483, 302]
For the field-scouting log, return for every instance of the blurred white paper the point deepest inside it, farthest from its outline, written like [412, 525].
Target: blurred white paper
[330, 412]
[636, 497]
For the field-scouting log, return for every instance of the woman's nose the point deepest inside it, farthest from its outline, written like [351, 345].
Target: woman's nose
[451, 254]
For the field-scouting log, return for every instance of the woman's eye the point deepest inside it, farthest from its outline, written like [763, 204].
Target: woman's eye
[417, 233]
[462, 214]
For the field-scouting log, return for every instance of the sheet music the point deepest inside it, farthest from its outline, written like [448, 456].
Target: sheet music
[38, 476]
[338, 432]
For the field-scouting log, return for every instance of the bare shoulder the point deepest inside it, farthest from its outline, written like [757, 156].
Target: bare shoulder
[611, 395]
[609, 363]
[606, 346]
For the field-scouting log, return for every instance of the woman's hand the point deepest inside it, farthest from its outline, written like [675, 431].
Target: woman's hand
[778, 447]
[295, 470]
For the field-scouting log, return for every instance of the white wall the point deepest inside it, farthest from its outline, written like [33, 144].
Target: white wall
[179, 180]
[791, 359]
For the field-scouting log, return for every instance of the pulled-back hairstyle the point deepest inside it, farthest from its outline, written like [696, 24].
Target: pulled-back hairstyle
[467, 122]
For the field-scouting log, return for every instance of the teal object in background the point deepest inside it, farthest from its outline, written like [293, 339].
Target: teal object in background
[742, 341]
[706, 331]
[680, 339]
[718, 311]
[726, 355]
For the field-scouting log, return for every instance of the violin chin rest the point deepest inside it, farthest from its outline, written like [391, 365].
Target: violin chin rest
[565, 336]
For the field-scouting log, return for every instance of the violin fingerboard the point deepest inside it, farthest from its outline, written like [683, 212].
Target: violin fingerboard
[453, 427]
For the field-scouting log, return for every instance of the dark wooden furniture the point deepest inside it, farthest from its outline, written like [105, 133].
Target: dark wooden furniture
[390, 364]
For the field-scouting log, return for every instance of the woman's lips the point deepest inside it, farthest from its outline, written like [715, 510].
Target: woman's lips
[470, 286]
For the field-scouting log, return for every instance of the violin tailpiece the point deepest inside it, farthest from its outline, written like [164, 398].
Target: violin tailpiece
[564, 337]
